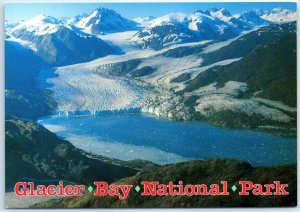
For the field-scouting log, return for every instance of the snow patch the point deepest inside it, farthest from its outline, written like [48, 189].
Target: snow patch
[232, 88]
[212, 100]
[209, 105]
[279, 15]
[276, 104]
[40, 25]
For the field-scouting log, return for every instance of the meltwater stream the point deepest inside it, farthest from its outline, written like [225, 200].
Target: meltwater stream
[128, 136]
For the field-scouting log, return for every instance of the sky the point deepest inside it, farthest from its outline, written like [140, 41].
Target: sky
[24, 11]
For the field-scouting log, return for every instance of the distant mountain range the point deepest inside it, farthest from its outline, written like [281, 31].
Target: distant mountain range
[211, 24]
[278, 15]
[66, 41]
[214, 24]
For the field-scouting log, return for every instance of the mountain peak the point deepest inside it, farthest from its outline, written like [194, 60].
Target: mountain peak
[214, 10]
[104, 20]
[144, 21]
[205, 12]
[249, 14]
[225, 12]
[169, 19]
[279, 15]
[252, 19]
[40, 25]
[44, 19]
[102, 11]
[76, 19]
[278, 9]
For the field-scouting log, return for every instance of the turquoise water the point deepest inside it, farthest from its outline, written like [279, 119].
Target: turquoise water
[128, 136]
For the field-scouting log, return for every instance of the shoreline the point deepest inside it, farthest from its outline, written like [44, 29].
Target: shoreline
[111, 145]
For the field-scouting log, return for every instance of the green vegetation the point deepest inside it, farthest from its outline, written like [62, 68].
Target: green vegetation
[21, 67]
[28, 105]
[233, 120]
[184, 51]
[234, 50]
[182, 77]
[119, 69]
[144, 71]
[22, 98]
[156, 42]
[269, 68]
[31, 151]
[247, 42]
[195, 172]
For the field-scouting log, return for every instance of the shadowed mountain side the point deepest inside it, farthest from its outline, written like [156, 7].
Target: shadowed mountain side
[194, 172]
[41, 155]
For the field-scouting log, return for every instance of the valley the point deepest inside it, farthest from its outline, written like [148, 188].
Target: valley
[102, 96]
[142, 80]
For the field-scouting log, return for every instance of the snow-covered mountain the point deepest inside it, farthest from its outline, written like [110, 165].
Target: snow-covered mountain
[252, 19]
[104, 20]
[278, 15]
[9, 25]
[164, 31]
[39, 25]
[154, 33]
[143, 22]
[214, 24]
[76, 19]
[59, 43]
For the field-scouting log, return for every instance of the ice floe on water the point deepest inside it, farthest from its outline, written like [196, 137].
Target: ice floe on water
[128, 136]
[123, 151]
[55, 128]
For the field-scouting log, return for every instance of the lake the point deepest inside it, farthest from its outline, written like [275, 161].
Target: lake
[128, 136]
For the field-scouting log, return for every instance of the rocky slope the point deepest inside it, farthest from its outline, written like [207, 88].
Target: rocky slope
[45, 158]
[22, 97]
[254, 87]
[194, 172]
[261, 85]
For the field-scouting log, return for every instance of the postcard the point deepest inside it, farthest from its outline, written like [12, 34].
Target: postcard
[150, 105]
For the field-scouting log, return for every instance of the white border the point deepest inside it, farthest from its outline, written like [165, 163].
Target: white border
[2, 100]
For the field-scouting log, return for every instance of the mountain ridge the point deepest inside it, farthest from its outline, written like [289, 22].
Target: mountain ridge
[103, 20]
[58, 43]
